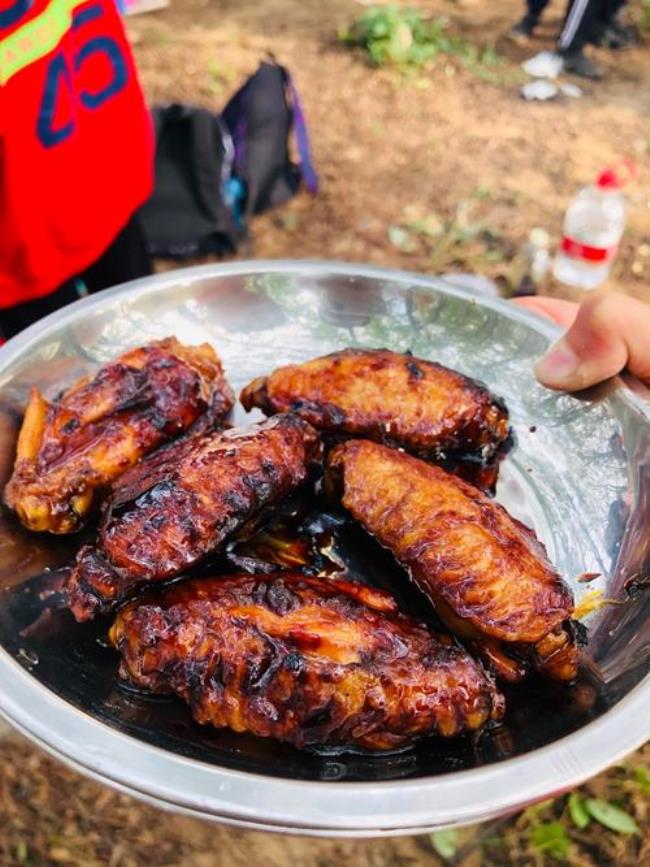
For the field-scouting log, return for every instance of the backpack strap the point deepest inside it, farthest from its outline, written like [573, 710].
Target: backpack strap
[307, 170]
[234, 118]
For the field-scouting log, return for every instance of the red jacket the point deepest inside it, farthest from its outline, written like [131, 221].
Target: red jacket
[76, 145]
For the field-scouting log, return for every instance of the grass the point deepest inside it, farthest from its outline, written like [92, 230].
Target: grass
[601, 821]
[468, 241]
[406, 39]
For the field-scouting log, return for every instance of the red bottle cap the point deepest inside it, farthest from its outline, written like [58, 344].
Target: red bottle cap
[617, 176]
[608, 180]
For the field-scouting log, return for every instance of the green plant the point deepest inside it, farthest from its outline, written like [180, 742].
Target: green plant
[551, 838]
[641, 778]
[578, 811]
[396, 36]
[611, 816]
[557, 828]
[445, 842]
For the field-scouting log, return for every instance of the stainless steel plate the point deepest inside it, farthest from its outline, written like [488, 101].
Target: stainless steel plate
[579, 474]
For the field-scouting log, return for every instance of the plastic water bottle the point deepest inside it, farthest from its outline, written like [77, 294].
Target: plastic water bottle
[593, 227]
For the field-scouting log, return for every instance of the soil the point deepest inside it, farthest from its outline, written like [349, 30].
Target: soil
[480, 168]
[443, 145]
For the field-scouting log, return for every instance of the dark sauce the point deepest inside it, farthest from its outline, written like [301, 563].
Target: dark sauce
[76, 662]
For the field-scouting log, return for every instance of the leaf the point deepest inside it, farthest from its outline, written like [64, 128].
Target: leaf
[402, 239]
[578, 811]
[431, 226]
[481, 192]
[392, 35]
[552, 838]
[445, 842]
[533, 812]
[642, 778]
[611, 816]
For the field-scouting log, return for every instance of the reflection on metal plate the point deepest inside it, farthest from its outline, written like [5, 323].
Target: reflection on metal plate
[579, 473]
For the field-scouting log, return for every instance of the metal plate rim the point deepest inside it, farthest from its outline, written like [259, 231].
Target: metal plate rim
[350, 809]
[634, 392]
[570, 757]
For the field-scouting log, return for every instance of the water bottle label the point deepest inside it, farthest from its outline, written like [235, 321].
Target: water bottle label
[578, 250]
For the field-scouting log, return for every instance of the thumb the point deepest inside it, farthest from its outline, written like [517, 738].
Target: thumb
[610, 332]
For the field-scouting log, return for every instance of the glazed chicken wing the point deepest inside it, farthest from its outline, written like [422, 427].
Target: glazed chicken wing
[486, 574]
[173, 509]
[104, 424]
[305, 660]
[388, 397]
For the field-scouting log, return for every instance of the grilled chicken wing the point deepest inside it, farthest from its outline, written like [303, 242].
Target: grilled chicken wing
[173, 509]
[104, 424]
[486, 574]
[388, 397]
[304, 660]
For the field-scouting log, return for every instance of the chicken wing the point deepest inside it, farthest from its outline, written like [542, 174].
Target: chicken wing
[104, 424]
[305, 660]
[388, 397]
[170, 511]
[486, 573]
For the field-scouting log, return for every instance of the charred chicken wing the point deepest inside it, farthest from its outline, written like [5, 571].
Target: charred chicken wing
[387, 397]
[104, 424]
[486, 574]
[172, 510]
[305, 660]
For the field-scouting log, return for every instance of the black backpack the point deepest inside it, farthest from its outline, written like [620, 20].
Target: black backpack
[260, 118]
[187, 214]
[212, 172]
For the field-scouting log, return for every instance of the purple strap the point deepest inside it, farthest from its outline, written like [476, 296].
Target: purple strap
[307, 169]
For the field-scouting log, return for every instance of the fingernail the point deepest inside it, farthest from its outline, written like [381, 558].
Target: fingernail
[559, 365]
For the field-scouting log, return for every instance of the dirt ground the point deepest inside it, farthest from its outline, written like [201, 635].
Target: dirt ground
[445, 148]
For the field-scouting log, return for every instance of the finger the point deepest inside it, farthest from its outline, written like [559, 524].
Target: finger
[560, 311]
[610, 332]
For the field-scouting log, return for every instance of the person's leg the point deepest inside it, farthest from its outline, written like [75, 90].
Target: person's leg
[126, 259]
[536, 7]
[613, 7]
[579, 27]
[611, 31]
[15, 319]
[525, 27]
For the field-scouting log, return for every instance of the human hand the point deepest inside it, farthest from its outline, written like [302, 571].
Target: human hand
[606, 333]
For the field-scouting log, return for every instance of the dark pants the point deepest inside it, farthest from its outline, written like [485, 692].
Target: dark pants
[581, 25]
[536, 7]
[585, 20]
[125, 259]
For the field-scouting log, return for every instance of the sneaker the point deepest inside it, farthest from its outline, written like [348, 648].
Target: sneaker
[617, 36]
[578, 63]
[523, 30]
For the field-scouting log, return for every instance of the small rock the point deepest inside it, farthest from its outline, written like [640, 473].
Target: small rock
[541, 89]
[571, 90]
